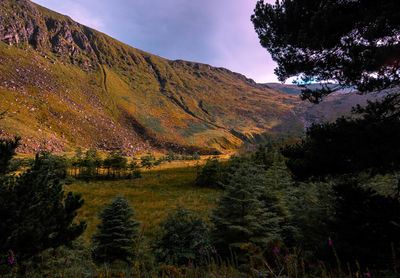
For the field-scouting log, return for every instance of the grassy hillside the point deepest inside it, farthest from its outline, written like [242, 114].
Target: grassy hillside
[68, 85]
[65, 85]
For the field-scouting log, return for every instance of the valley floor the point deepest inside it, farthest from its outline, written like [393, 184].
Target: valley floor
[152, 196]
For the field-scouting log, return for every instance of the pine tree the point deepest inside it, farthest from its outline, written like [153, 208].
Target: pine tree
[264, 156]
[245, 213]
[7, 151]
[183, 237]
[366, 225]
[118, 233]
[278, 176]
[211, 174]
[36, 214]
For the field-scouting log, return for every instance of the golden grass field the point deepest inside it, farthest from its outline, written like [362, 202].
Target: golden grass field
[152, 196]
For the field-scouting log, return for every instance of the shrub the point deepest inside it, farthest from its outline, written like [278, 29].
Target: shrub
[183, 237]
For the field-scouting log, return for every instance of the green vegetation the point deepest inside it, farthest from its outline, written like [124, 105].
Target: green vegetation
[118, 233]
[262, 222]
[329, 207]
[351, 43]
[183, 239]
[107, 95]
[152, 196]
[36, 212]
[243, 218]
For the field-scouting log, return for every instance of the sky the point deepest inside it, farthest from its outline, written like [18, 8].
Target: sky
[215, 32]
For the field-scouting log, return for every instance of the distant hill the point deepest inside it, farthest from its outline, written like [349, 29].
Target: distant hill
[66, 85]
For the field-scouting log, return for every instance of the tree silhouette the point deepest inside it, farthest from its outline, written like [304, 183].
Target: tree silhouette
[353, 43]
[36, 213]
[368, 142]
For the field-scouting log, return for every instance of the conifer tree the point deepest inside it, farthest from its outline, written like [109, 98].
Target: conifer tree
[278, 176]
[92, 162]
[118, 233]
[245, 213]
[264, 156]
[36, 214]
[210, 175]
[7, 151]
[183, 237]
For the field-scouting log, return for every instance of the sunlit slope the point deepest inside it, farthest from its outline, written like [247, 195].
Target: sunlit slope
[66, 85]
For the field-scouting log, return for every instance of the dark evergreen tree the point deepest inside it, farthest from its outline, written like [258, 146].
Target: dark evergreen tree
[278, 175]
[7, 151]
[118, 163]
[91, 162]
[77, 162]
[183, 237]
[211, 174]
[281, 193]
[368, 142]
[310, 209]
[365, 225]
[118, 233]
[36, 214]
[263, 156]
[115, 162]
[246, 213]
[353, 43]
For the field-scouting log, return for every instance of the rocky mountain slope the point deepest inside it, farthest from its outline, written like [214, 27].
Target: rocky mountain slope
[65, 85]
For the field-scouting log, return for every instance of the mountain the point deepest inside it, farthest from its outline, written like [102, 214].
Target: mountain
[65, 85]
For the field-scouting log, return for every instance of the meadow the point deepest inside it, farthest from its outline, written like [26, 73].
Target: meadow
[152, 196]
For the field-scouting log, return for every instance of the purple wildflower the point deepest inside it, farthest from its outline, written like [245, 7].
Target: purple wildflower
[190, 265]
[276, 250]
[201, 251]
[330, 242]
[286, 257]
[367, 274]
[144, 226]
[66, 261]
[321, 262]
[11, 260]
[214, 251]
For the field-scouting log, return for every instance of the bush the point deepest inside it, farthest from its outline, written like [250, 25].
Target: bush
[183, 237]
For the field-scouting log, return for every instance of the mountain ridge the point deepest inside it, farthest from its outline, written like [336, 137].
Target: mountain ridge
[67, 85]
